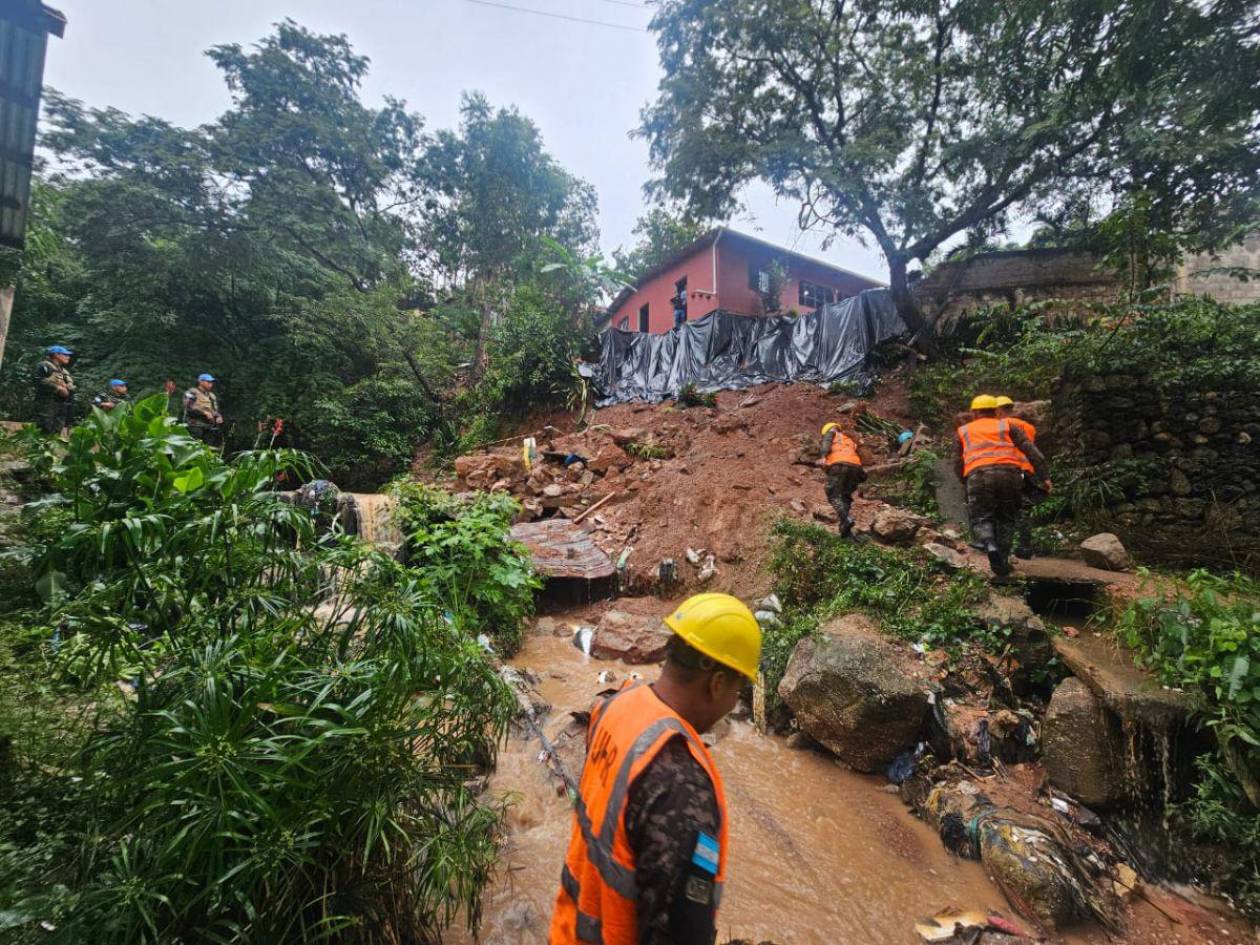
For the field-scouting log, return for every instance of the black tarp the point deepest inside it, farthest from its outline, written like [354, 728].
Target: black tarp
[723, 351]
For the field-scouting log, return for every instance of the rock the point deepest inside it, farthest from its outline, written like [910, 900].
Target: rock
[896, 526]
[1179, 482]
[731, 422]
[632, 638]
[1081, 746]
[1105, 551]
[856, 694]
[608, 458]
[626, 435]
[798, 506]
[825, 513]
[954, 560]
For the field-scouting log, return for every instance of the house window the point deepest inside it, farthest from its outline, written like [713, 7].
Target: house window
[643, 318]
[812, 296]
[624, 324]
[758, 278]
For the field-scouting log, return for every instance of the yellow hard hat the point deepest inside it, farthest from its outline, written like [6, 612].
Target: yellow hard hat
[829, 426]
[720, 627]
[984, 402]
[1001, 400]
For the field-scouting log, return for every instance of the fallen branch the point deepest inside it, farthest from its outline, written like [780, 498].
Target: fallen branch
[594, 507]
[550, 753]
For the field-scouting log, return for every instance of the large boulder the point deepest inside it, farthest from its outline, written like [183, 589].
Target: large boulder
[856, 694]
[1105, 551]
[1082, 746]
[632, 638]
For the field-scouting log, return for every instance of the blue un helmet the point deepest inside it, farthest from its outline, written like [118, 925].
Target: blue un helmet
[117, 382]
[206, 377]
[60, 349]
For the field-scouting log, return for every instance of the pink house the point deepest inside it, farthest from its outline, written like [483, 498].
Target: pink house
[729, 271]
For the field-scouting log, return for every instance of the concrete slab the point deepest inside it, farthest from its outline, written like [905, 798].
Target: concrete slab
[1106, 666]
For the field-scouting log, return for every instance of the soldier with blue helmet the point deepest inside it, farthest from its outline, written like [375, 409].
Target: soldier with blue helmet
[201, 411]
[113, 395]
[54, 390]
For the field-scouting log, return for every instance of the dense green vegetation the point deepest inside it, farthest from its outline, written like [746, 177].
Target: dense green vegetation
[818, 575]
[1206, 640]
[377, 285]
[461, 550]
[221, 724]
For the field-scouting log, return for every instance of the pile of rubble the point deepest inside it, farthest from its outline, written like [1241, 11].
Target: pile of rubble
[683, 497]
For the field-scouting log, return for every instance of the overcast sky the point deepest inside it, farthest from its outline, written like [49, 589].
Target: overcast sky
[583, 84]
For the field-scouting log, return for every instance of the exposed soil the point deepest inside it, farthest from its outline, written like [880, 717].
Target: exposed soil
[729, 472]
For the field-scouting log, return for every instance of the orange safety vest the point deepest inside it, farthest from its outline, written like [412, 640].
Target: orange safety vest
[1030, 431]
[987, 442]
[843, 450]
[596, 903]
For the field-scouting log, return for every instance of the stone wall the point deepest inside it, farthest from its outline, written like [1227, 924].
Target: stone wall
[1170, 461]
[1016, 277]
[1192, 278]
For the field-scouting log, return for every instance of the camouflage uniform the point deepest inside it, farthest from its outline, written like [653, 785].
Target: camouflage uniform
[111, 397]
[669, 804]
[52, 410]
[995, 499]
[842, 481]
[201, 407]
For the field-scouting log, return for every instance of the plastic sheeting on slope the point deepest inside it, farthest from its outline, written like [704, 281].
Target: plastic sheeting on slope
[722, 351]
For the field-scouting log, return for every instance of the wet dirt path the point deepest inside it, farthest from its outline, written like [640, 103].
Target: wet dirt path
[820, 855]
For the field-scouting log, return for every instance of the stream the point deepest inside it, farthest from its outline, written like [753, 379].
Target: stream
[820, 855]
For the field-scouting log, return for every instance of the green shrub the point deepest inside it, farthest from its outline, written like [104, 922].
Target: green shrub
[531, 356]
[462, 551]
[1206, 640]
[691, 396]
[283, 725]
[819, 575]
[914, 486]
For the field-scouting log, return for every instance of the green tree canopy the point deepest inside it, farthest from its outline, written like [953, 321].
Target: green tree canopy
[911, 122]
[659, 234]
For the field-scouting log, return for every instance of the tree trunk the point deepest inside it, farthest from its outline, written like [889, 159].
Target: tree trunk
[907, 307]
[6, 309]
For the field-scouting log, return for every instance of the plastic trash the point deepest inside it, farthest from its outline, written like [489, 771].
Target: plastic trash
[903, 767]
[583, 637]
[905, 436]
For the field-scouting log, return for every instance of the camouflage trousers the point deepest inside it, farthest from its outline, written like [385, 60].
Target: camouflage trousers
[1033, 496]
[53, 415]
[842, 480]
[995, 499]
[210, 435]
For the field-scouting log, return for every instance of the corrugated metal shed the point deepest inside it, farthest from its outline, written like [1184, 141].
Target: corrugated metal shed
[24, 29]
[562, 549]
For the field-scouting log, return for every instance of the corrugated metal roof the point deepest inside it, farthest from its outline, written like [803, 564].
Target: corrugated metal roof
[24, 29]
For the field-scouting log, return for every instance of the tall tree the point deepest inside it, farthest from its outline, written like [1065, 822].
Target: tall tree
[496, 196]
[909, 122]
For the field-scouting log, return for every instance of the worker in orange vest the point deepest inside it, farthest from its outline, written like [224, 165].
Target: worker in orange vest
[1033, 493]
[844, 472]
[990, 453]
[648, 852]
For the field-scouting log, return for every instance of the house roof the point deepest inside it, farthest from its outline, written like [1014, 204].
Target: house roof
[705, 241]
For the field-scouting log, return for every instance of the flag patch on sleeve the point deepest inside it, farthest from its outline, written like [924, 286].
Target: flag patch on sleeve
[706, 854]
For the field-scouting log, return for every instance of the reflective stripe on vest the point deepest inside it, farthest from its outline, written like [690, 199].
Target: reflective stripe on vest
[843, 450]
[987, 442]
[596, 903]
[1030, 431]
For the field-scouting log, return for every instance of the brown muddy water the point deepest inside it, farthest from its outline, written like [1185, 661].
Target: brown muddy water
[819, 855]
